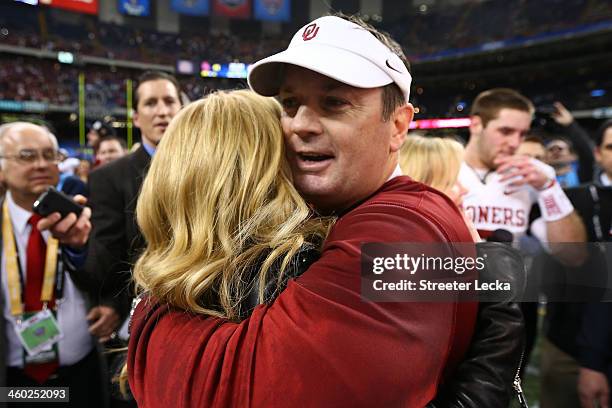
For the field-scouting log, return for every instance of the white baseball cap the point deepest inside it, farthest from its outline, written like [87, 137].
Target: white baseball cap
[336, 48]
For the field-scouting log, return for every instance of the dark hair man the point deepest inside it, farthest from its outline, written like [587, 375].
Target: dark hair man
[603, 153]
[110, 149]
[115, 238]
[502, 185]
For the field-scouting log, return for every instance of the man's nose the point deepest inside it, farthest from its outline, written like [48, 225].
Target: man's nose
[41, 162]
[306, 122]
[162, 109]
[515, 141]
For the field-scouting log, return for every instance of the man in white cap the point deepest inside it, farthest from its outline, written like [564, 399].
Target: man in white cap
[346, 112]
[344, 89]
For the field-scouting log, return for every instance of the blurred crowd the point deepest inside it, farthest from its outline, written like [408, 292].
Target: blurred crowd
[48, 81]
[464, 26]
[445, 27]
[125, 43]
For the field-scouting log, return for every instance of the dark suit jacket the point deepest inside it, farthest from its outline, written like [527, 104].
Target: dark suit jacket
[584, 330]
[115, 241]
[73, 185]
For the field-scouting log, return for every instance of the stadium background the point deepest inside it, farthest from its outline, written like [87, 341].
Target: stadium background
[70, 62]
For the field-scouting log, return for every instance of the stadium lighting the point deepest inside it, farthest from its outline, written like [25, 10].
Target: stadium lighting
[65, 57]
[452, 123]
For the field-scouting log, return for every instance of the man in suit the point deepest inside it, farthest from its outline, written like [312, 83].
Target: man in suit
[28, 162]
[576, 367]
[116, 240]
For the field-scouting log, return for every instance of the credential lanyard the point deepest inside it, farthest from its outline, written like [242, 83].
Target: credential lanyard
[12, 267]
[596, 213]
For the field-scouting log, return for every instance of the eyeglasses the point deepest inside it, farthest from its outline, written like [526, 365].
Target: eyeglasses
[29, 156]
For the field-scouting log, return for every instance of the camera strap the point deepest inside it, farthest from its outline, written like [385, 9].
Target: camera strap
[13, 268]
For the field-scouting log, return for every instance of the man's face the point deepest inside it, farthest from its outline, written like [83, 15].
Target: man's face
[502, 136]
[339, 149]
[558, 153]
[27, 180]
[93, 138]
[109, 151]
[532, 149]
[603, 153]
[158, 102]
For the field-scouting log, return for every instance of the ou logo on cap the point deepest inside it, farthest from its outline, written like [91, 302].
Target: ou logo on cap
[310, 32]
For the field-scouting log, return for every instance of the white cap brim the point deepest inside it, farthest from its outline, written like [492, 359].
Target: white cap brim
[265, 76]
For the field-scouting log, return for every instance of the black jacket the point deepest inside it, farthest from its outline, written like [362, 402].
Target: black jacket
[584, 330]
[116, 241]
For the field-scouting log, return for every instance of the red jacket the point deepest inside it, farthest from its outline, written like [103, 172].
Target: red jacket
[319, 344]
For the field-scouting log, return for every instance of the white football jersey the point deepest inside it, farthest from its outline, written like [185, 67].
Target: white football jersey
[491, 206]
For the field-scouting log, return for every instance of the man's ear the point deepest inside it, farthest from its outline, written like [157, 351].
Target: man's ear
[401, 119]
[135, 118]
[596, 152]
[475, 125]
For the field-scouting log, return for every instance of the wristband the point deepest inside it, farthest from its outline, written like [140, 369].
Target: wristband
[551, 182]
[553, 203]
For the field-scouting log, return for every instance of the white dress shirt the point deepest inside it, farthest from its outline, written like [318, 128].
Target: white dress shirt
[71, 311]
[396, 172]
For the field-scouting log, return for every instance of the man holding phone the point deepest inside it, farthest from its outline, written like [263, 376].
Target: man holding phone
[42, 290]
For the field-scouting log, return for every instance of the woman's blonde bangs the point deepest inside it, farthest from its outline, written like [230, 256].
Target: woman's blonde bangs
[432, 160]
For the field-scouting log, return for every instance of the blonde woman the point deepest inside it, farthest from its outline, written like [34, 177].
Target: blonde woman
[436, 162]
[432, 160]
[218, 209]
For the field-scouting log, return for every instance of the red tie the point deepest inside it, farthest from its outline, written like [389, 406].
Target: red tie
[35, 266]
[35, 270]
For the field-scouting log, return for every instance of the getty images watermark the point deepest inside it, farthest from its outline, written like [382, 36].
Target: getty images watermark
[494, 272]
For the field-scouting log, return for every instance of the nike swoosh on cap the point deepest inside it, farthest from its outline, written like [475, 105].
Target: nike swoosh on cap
[396, 70]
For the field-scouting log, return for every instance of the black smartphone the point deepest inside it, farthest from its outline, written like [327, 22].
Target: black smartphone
[546, 109]
[55, 201]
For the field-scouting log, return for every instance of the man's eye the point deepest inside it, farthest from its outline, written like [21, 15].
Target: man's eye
[49, 155]
[27, 155]
[333, 102]
[288, 103]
